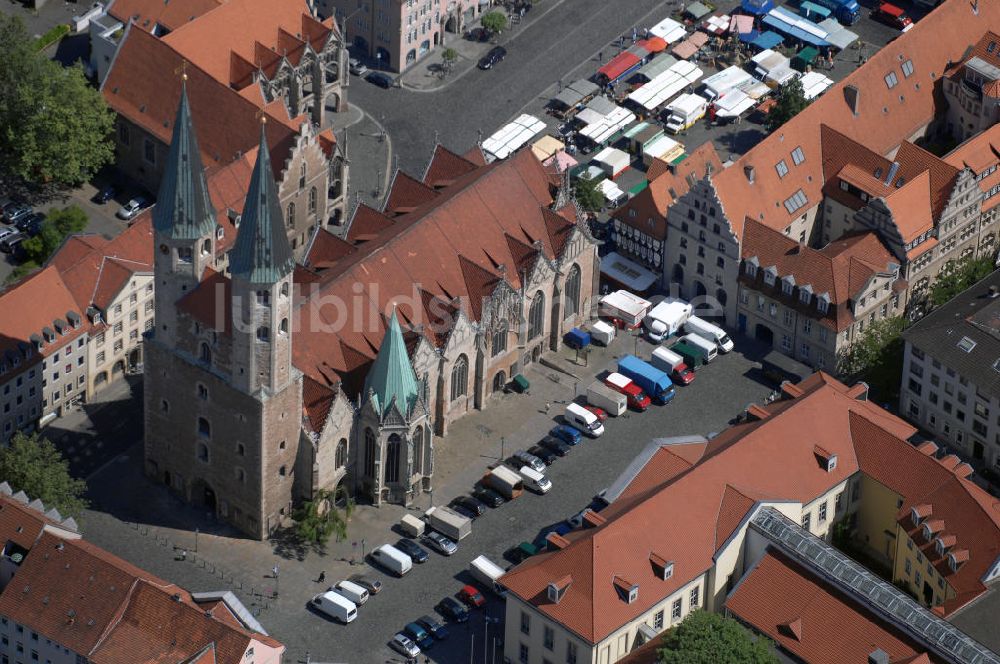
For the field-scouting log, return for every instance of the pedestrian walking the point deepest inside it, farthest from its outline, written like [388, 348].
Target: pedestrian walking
[548, 406]
[600, 57]
[322, 576]
[184, 555]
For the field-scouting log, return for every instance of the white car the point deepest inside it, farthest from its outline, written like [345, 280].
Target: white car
[132, 208]
[357, 67]
[440, 543]
[402, 644]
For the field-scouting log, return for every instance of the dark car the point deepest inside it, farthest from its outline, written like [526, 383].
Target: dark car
[10, 243]
[35, 227]
[566, 434]
[479, 34]
[418, 634]
[493, 58]
[463, 510]
[34, 218]
[547, 456]
[16, 212]
[104, 195]
[380, 79]
[413, 550]
[431, 624]
[471, 504]
[452, 609]
[555, 445]
[488, 496]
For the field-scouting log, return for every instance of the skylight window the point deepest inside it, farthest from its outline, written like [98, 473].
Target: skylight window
[782, 168]
[907, 68]
[966, 344]
[798, 156]
[891, 80]
[797, 200]
[992, 47]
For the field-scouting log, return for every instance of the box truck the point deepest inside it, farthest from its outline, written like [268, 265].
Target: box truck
[653, 382]
[602, 396]
[411, 525]
[602, 333]
[667, 360]
[683, 112]
[504, 481]
[665, 319]
[693, 356]
[709, 332]
[448, 522]
[488, 573]
[710, 348]
[633, 394]
[623, 308]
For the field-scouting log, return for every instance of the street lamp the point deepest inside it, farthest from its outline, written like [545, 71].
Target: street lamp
[276, 584]
[503, 441]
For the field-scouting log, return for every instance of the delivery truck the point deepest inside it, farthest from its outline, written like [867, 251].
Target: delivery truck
[411, 525]
[488, 573]
[693, 356]
[633, 394]
[623, 308]
[667, 360]
[602, 333]
[448, 522]
[602, 396]
[710, 348]
[653, 382]
[710, 332]
[683, 112]
[665, 319]
[504, 481]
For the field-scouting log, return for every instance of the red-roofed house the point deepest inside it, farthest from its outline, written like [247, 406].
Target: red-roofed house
[848, 163]
[822, 455]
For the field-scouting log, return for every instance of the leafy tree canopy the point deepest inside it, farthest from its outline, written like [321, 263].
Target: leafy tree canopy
[587, 194]
[710, 638]
[967, 273]
[59, 224]
[318, 519]
[33, 464]
[791, 101]
[55, 128]
[494, 21]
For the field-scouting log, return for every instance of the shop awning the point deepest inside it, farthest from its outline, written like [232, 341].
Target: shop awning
[546, 147]
[657, 66]
[696, 10]
[767, 39]
[740, 24]
[602, 105]
[561, 160]
[668, 30]
[628, 273]
[716, 25]
[619, 66]
[837, 34]
[653, 44]
[795, 26]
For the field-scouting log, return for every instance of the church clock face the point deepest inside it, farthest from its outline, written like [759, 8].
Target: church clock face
[164, 249]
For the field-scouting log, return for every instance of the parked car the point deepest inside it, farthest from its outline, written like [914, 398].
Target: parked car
[17, 211]
[598, 412]
[379, 79]
[463, 511]
[34, 227]
[557, 446]
[33, 218]
[440, 543]
[357, 67]
[566, 433]
[104, 195]
[436, 629]
[528, 459]
[419, 635]
[471, 596]
[547, 456]
[402, 644]
[472, 504]
[10, 243]
[488, 496]
[453, 610]
[371, 584]
[892, 16]
[131, 209]
[413, 550]
[478, 34]
[521, 552]
[493, 58]
[4, 232]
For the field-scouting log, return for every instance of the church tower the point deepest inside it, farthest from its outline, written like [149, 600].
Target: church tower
[261, 266]
[184, 225]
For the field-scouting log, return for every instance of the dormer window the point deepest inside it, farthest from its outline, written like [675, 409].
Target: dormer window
[633, 594]
[926, 530]
[663, 568]
[557, 589]
[822, 304]
[769, 276]
[627, 590]
[787, 284]
[805, 294]
[751, 267]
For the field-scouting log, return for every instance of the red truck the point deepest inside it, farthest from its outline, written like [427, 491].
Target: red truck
[637, 399]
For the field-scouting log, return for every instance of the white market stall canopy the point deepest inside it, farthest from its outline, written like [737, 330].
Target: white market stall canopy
[733, 104]
[837, 34]
[666, 85]
[612, 160]
[627, 272]
[668, 30]
[814, 84]
[512, 136]
[612, 194]
[599, 132]
[664, 148]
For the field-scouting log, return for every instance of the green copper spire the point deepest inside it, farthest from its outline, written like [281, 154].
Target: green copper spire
[391, 375]
[183, 210]
[261, 254]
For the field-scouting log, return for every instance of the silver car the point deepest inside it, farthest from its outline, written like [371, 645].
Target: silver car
[132, 208]
[530, 460]
[440, 543]
[404, 645]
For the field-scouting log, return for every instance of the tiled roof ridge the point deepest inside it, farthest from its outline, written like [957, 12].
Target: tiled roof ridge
[438, 149]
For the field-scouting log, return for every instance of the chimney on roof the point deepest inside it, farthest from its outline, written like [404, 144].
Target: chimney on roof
[750, 172]
[852, 95]
[892, 173]
[756, 413]
[878, 656]
[556, 541]
[963, 470]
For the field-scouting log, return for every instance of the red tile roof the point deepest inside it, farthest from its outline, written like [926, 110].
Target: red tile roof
[978, 154]
[445, 167]
[695, 509]
[810, 619]
[148, 14]
[886, 116]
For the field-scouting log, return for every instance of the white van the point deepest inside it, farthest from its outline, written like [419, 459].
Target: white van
[392, 559]
[351, 591]
[584, 420]
[534, 480]
[336, 606]
[710, 348]
[713, 333]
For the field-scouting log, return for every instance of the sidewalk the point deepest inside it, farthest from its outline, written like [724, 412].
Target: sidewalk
[370, 156]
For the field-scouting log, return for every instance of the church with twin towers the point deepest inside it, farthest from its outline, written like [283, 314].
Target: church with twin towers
[251, 405]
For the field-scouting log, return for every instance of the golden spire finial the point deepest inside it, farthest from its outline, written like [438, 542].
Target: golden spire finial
[182, 70]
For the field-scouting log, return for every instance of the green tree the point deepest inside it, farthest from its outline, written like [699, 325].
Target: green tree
[964, 275]
[55, 129]
[449, 57]
[876, 357]
[791, 101]
[494, 21]
[33, 464]
[316, 520]
[587, 194]
[58, 224]
[710, 638]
